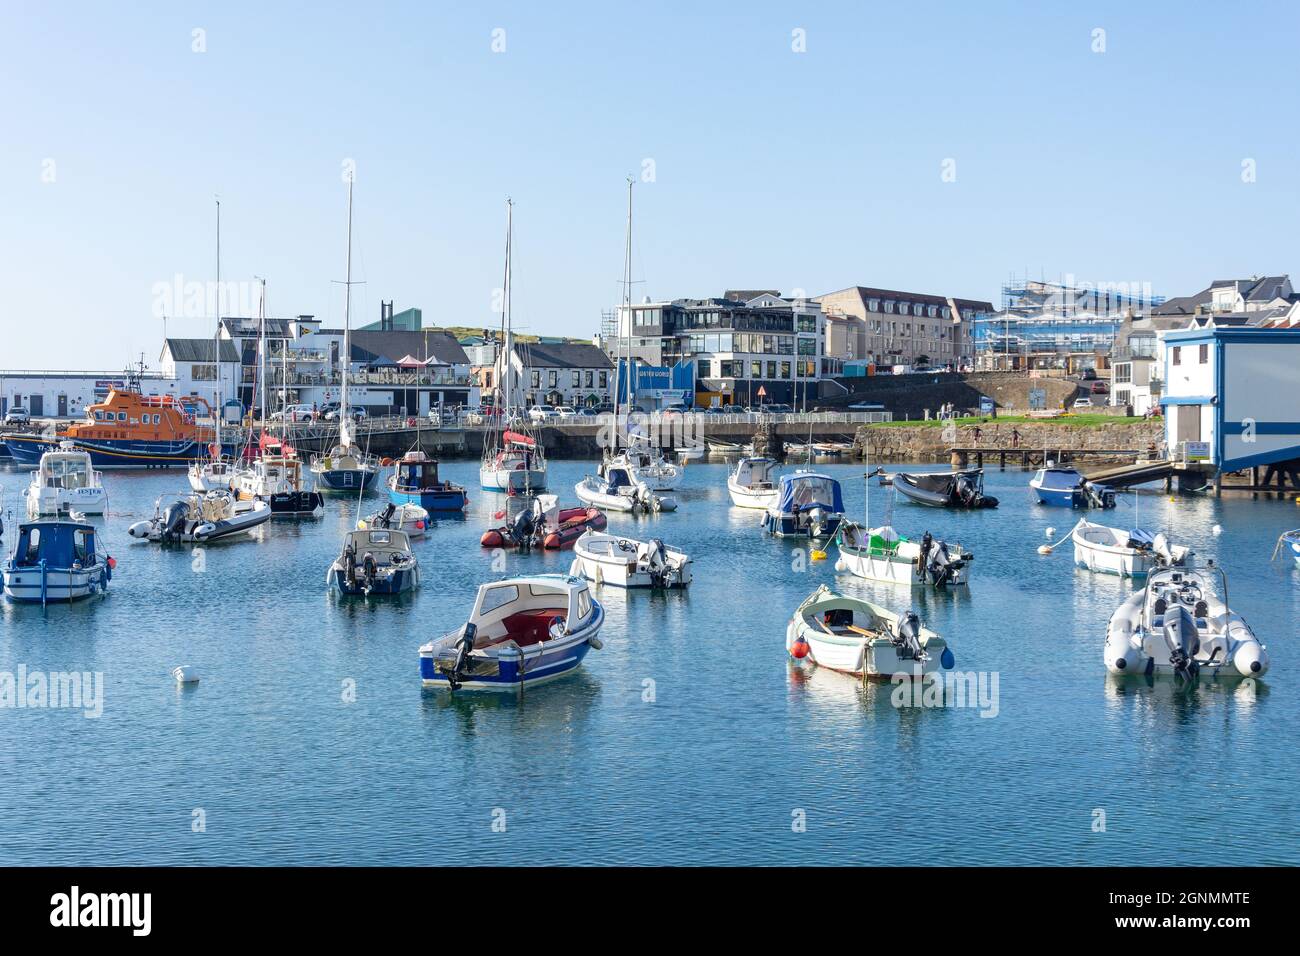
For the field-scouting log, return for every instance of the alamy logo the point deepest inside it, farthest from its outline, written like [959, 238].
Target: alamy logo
[79, 690]
[102, 909]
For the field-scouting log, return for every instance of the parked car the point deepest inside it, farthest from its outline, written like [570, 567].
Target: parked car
[1084, 402]
[543, 413]
[1099, 388]
[293, 413]
[777, 409]
[717, 410]
[565, 411]
[17, 416]
[333, 414]
[590, 411]
[1089, 374]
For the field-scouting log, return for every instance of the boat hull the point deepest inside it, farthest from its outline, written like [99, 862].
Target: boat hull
[870, 659]
[109, 454]
[34, 586]
[743, 497]
[514, 669]
[400, 581]
[797, 526]
[893, 569]
[345, 480]
[454, 501]
[1133, 650]
[55, 501]
[1058, 497]
[516, 479]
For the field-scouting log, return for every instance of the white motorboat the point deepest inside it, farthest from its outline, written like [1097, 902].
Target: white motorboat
[200, 518]
[1289, 541]
[882, 554]
[374, 561]
[276, 478]
[212, 474]
[751, 483]
[860, 638]
[688, 453]
[1180, 625]
[407, 517]
[65, 482]
[1130, 554]
[617, 490]
[522, 632]
[724, 448]
[646, 463]
[628, 563]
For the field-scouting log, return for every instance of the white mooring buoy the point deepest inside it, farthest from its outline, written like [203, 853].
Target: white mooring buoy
[185, 674]
[1050, 532]
[1217, 529]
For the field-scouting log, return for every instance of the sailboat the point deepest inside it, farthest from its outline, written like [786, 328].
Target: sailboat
[346, 467]
[215, 471]
[275, 475]
[513, 459]
[640, 459]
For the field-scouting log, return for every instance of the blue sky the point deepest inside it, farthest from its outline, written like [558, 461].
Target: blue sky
[772, 168]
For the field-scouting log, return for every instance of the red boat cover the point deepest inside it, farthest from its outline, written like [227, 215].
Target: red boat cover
[515, 438]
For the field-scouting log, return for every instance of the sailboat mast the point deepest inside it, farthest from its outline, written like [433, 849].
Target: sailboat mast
[625, 355]
[345, 421]
[261, 347]
[505, 307]
[216, 343]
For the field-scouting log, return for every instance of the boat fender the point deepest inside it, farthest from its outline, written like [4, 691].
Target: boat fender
[595, 643]
[947, 659]
[141, 529]
[799, 649]
[840, 565]
[1249, 659]
[204, 531]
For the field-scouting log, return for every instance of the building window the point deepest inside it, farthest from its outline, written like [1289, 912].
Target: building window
[785, 369]
[537, 379]
[604, 380]
[552, 378]
[576, 379]
[889, 305]
[1204, 356]
[755, 369]
[1123, 373]
[771, 370]
[1178, 355]
[873, 305]
[590, 378]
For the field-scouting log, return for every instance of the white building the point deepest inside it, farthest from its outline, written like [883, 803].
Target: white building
[1229, 394]
[65, 395]
[560, 373]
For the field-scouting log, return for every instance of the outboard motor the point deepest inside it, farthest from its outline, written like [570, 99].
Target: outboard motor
[522, 529]
[965, 491]
[1182, 641]
[817, 522]
[907, 642]
[941, 566]
[464, 645]
[369, 570]
[386, 516]
[350, 566]
[173, 520]
[655, 562]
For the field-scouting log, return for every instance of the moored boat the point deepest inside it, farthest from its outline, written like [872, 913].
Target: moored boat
[521, 632]
[374, 562]
[127, 430]
[629, 563]
[415, 481]
[750, 484]
[882, 554]
[955, 489]
[863, 639]
[196, 517]
[808, 505]
[276, 478]
[409, 518]
[1180, 625]
[618, 490]
[1127, 553]
[1290, 542]
[66, 481]
[1066, 488]
[56, 560]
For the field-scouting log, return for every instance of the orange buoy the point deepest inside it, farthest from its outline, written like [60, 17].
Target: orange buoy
[112, 564]
[799, 649]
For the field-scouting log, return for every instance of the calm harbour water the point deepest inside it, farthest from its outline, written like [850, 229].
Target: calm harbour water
[713, 770]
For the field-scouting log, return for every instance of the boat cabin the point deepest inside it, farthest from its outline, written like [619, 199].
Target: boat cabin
[382, 545]
[756, 473]
[806, 490]
[616, 478]
[66, 468]
[56, 544]
[127, 414]
[417, 472]
[525, 610]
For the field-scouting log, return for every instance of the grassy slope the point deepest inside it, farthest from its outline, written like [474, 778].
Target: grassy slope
[1085, 421]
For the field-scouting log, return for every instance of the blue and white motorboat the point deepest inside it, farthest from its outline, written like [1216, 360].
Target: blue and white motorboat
[523, 631]
[66, 482]
[375, 562]
[1290, 542]
[56, 560]
[1066, 488]
[808, 505]
[415, 481]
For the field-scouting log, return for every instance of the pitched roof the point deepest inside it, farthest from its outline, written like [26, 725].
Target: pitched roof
[198, 350]
[744, 295]
[563, 355]
[390, 346]
[869, 292]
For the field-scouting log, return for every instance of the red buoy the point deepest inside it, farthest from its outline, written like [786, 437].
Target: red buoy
[112, 564]
[799, 649]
